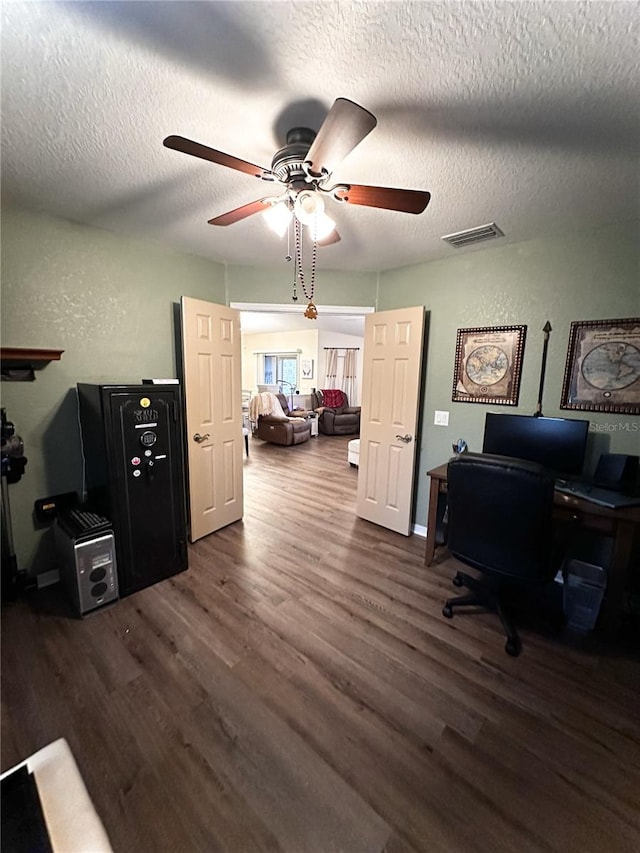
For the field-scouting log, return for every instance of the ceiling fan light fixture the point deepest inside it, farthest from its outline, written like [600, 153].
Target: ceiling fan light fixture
[324, 225]
[278, 216]
[307, 206]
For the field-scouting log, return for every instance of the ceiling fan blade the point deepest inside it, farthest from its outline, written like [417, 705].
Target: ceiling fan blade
[388, 198]
[345, 126]
[330, 239]
[187, 146]
[241, 212]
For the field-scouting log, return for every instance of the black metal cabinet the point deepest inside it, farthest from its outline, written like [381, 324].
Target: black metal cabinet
[134, 469]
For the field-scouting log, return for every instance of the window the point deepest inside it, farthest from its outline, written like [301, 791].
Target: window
[278, 367]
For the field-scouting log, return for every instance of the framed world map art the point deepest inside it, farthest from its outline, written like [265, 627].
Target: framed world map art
[488, 365]
[602, 371]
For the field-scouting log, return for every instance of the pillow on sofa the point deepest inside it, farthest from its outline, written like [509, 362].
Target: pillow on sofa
[333, 398]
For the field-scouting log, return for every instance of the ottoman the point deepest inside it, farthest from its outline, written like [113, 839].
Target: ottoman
[353, 452]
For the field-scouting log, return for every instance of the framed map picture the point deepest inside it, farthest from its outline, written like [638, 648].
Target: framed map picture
[602, 371]
[488, 365]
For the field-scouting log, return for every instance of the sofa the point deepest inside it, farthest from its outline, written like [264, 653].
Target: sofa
[339, 418]
[277, 427]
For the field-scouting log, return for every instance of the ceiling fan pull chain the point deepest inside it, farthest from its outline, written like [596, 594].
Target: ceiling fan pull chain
[298, 233]
[311, 311]
[294, 295]
[314, 255]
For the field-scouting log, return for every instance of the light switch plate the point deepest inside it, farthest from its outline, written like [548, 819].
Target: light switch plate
[441, 418]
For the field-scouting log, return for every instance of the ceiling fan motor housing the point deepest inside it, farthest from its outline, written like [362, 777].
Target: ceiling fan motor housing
[287, 162]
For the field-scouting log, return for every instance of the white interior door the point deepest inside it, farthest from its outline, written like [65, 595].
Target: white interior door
[390, 397]
[211, 357]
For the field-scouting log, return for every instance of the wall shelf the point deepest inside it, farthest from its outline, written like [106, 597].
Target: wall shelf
[19, 363]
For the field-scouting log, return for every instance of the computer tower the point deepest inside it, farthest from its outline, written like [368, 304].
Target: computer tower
[134, 470]
[87, 556]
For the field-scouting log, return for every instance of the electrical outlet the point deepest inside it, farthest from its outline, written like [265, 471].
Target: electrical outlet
[441, 418]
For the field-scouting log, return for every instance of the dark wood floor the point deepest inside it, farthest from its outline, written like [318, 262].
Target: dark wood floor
[299, 690]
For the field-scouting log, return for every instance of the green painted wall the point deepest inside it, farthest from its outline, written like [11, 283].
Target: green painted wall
[580, 277]
[108, 303]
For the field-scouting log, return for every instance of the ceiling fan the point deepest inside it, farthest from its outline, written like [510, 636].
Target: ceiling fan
[303, 168]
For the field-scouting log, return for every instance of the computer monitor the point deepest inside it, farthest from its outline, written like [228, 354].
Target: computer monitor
[557, 443]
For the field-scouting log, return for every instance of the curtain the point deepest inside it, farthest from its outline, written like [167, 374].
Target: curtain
[349, 376]
[331, 367]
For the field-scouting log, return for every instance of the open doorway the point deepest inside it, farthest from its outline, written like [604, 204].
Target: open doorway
[280, 334]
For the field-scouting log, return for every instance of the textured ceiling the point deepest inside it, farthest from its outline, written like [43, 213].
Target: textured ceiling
[526, 114]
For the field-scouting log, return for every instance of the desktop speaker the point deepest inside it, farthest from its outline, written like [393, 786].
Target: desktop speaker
[617, 471]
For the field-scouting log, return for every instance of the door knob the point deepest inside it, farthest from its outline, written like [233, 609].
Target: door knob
[200, 438]
[406, 438]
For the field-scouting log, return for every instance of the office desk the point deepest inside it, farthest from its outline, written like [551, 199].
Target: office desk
[620, 524]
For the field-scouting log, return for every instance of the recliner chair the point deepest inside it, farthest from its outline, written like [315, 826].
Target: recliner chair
[336, 420]
[281, 430]
[500, 523]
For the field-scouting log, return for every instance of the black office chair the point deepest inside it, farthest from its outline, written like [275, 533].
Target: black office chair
[499, 522]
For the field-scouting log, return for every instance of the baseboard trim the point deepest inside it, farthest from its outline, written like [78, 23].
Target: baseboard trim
[420, 530]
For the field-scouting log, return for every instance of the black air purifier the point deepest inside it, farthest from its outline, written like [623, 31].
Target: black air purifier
[134, 468]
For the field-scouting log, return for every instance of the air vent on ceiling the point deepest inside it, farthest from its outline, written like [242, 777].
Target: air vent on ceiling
[473, 235]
